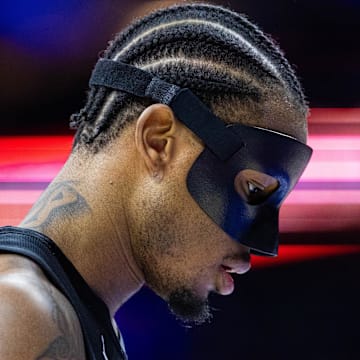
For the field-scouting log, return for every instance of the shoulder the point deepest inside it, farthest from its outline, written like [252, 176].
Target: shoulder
[37, 321]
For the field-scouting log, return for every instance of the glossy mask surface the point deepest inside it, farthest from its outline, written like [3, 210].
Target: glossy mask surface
[216, 185]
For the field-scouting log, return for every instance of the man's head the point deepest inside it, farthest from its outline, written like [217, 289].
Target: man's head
[238, 72]
[226, 60]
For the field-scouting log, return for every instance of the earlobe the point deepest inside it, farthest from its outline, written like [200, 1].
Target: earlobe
[154, 138]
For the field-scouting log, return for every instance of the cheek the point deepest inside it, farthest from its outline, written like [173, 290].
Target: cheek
[178, 245]
[174, 241]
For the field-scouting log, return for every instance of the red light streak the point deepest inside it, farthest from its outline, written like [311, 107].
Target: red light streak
[326, 199]
[290, 254]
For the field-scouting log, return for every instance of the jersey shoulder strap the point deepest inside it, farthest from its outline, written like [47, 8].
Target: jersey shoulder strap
[100, 339]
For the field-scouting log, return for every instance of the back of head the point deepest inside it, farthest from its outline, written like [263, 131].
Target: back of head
[226, 60]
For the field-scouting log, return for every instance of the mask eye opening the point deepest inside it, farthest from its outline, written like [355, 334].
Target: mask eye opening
[255, 187]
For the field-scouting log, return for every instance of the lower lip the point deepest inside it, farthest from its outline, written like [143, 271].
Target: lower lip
[227, 283]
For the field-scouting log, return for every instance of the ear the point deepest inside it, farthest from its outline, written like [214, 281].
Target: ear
[154, 138]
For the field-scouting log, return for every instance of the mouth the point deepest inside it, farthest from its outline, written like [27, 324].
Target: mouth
[228, 269]
[226, 285]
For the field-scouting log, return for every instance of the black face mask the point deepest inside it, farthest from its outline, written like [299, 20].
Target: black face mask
[231, 156]
[252, 220]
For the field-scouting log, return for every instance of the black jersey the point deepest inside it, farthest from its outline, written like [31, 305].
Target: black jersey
[101, 341]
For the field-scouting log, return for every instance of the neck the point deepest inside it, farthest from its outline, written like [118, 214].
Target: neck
[90, 227]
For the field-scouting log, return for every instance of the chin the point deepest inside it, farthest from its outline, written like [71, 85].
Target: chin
[188, 307]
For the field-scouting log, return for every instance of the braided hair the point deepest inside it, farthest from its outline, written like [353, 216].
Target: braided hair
[218, 54]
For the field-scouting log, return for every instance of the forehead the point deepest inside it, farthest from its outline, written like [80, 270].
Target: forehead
[286, 118]
[275, 113]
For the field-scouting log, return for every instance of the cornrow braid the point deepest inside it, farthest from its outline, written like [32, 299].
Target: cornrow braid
[218, 54]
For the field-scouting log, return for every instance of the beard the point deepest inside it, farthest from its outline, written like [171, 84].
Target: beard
[162, 240]
[189, 308]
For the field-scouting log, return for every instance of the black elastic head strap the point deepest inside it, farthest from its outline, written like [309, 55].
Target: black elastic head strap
[188, 108]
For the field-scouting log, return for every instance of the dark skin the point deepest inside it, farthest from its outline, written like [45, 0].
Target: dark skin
[136, 204]
[37, 321]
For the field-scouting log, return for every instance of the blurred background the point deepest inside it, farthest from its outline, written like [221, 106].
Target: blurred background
[303, 304]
